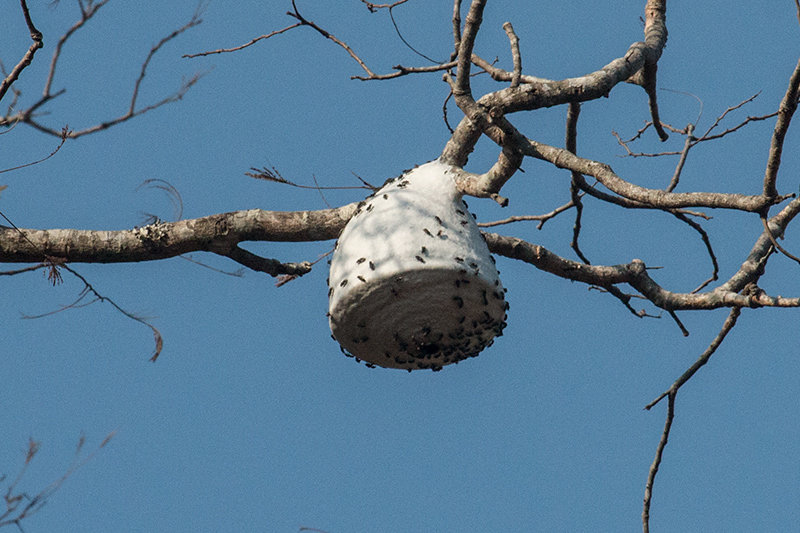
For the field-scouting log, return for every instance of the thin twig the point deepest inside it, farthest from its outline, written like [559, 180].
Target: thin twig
[725, 113]
[13, 514]
[245, 45]
[28, 115]
[521, 218]
[671, 393]
[64, 135]
[397, 30]
[305, 22]
[238, 273]
[704, 236]
[687, 145]
[86, 14]
[194, 21]
[22, 270]
[571, 144]
[772, 238]
[651, 475]
[54, 265]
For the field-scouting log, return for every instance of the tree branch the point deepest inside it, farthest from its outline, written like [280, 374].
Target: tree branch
[671, 393]
[27, 59]
[785, 112]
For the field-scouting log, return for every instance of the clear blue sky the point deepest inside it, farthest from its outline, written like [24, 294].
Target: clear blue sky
[252, 420]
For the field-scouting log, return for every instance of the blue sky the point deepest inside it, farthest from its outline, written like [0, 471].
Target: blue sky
[252, 420]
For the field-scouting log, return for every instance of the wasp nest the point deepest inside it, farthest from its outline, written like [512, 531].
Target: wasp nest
[412, 283]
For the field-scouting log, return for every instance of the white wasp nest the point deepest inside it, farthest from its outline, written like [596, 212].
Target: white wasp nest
[412, 283]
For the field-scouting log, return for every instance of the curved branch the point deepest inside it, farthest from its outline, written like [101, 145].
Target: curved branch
[655, 197]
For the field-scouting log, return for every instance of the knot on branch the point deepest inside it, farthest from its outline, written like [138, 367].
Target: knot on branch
[637, 267]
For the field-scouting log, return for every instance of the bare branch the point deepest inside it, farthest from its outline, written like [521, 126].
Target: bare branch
[305, 22]
[785, 112]
[28, 115]
[753, 266]
[15, 511]
[194, 21]
[27, 59]
[516, 57]
[461, 89]
[571, 144]
[651, 475]
[725, 113]
[216, 233]
[656, 198]
[634, 274]
[86, 15]
[671, 394]
[243, 46]
[397, 30]
[521, 218]
[775, 243]
[684, 154]
[707, 242]
[268, 266]
[65, 132]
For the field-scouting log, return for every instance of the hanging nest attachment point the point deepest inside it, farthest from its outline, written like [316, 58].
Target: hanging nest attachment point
[412, 283]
